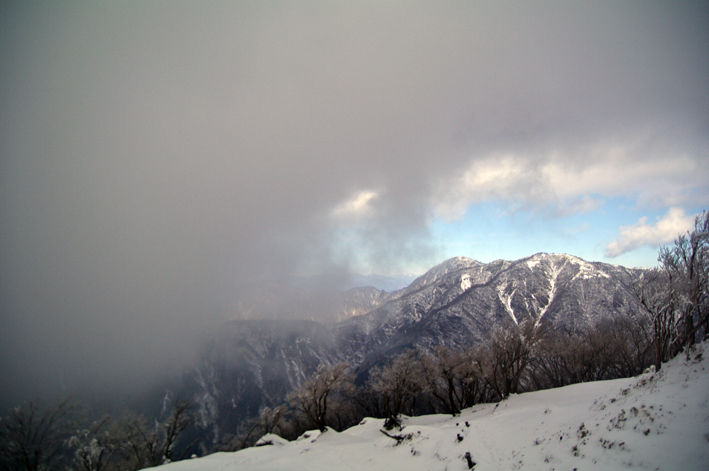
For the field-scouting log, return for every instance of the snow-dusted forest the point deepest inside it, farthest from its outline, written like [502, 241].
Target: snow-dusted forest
[656, 421]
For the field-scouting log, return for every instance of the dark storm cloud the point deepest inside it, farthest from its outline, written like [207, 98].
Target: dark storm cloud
[160, 159]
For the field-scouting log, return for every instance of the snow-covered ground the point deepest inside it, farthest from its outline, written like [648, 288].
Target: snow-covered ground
[657, 421]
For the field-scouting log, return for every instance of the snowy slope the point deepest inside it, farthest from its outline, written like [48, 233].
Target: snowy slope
[658, 421]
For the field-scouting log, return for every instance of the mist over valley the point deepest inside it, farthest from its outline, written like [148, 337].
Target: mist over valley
[207, 209]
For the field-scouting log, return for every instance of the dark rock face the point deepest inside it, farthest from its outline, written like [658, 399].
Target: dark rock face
[252, 364]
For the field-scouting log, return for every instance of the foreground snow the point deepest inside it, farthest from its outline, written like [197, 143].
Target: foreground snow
[657, 421]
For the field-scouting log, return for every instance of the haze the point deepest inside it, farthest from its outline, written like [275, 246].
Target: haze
[164, 165]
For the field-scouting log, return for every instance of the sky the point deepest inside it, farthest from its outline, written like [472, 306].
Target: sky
[166, 165]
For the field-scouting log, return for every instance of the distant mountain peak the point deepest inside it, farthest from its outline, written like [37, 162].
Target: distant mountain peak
[443, 269]
[459, 303]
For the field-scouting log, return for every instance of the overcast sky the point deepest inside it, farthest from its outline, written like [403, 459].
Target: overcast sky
[157, 157]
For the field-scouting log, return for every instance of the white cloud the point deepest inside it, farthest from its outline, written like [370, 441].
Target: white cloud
[496, 177]
[356, 207]
[621, 168]
[641, 233]
[576, 180]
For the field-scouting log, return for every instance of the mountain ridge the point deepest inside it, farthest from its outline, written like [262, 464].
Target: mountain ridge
[535, 287]
[458, 303]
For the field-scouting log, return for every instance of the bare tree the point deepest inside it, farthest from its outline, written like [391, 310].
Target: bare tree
[270, 418]
[474, 386]
[144, 446]
[655, 291]
[570, 357]
[247, 434]
[550, 368]
[180, 420]
[250, 431]
[625, 346]
[451, 378]
[675, 297]
[140, 443]
[399, 384]
[506, 357]
[687, 267]
[368, 401]
[32, 438]
[95, 446]
[317, 398]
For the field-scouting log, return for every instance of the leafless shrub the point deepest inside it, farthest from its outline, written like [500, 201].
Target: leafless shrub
[320, 398]
[96, 445]
[399, 384]
[33, 438]
[144, 446]
[675, 297]
[452, 379]
[504, 359]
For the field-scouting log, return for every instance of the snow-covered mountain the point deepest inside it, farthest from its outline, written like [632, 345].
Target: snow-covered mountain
[254, 363]
[657, 421]
[460, 301]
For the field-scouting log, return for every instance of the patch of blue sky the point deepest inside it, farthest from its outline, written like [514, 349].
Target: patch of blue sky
[491, 230]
